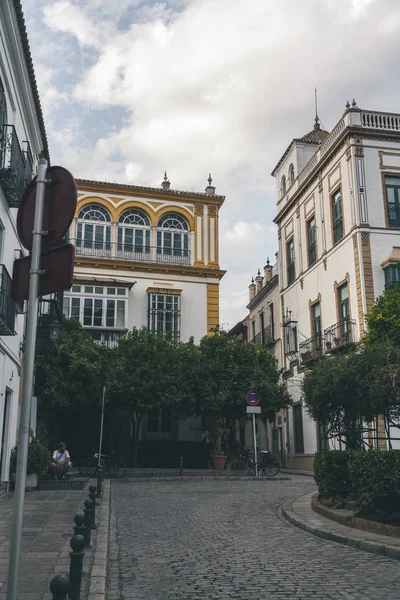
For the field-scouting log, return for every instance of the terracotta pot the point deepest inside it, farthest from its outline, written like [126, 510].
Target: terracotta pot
[31, 481]
[219, 462]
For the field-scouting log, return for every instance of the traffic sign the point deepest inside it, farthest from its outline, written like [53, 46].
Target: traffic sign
[58, 211]
[253, 410]
[253, 398]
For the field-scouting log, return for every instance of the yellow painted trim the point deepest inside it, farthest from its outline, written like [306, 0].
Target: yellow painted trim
[143, 207]
[199, 261]
[180, 210]
[212, 307]
[96, 200]
[155, 290]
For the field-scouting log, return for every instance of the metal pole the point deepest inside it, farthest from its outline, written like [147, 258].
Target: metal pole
[101, 425]
[29, 363]
[255, 443]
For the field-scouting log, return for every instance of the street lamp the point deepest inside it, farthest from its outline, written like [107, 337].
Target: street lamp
[55, 330]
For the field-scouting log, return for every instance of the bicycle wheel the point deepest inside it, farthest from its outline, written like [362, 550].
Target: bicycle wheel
[271, 468]
[88, 467]
[116, 470]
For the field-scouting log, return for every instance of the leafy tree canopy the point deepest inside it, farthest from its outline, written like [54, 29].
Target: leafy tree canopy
[384, 319]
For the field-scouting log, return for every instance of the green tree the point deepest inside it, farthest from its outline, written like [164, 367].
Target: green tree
[383, 320]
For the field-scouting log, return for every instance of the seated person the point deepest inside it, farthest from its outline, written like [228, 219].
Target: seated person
[61, 461]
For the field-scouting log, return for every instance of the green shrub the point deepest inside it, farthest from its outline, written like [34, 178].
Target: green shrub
[38, 459]
[375, 478]
[331, 473]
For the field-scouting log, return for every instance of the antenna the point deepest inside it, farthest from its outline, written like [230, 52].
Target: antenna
[317, 125]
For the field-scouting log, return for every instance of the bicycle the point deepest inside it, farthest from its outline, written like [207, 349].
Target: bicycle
[89, 466]
[268, 466]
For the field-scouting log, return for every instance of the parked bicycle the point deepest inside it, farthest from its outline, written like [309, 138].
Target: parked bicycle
[244, 464]
[89, 466]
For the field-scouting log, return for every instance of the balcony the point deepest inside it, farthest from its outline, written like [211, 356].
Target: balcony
[16, 165]
[257, 339]
[136, 253]
[49, 319]
[7, 306]
[310, 349]
[269, 338]
[339, 335]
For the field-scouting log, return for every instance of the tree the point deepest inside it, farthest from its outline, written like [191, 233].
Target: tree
[226, 369]
[384, 319]
[69, 384]
[150, 373]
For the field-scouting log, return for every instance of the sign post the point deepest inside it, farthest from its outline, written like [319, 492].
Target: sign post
[101, 425]
[253, 400]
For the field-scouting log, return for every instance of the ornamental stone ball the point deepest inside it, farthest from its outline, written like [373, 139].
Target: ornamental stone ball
[92, 489]
[77, 543]
[79, 519]
[60, 585]
[89, 504]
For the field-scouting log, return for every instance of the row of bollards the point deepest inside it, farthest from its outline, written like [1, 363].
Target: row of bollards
[68, 586]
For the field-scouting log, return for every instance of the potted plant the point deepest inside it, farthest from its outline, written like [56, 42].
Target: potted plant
[306, 356]
[328, 345]
[38, 463]
[215, 438]
[336, 341]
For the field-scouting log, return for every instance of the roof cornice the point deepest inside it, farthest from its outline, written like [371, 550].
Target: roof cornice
[263, 293]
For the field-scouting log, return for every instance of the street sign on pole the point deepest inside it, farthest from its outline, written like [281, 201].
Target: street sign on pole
[103, 400]
[253, 398]
[253, 410]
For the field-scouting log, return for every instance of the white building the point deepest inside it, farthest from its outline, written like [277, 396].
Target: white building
[338, 217]
[146, 257]
[22, 139]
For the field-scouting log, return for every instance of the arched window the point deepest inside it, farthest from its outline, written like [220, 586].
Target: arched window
[283, 185]
[133, 234]
[291, 174]
[173, 239]
[94, 231]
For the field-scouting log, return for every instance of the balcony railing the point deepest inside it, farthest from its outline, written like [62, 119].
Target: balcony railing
[16, 165]
[269, 335]
[135, 253]
[7, 306]
[310, 349]
[339, 335]
[257, 339]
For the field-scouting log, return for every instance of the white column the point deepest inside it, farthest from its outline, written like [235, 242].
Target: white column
[191, 247]
[205, 230]
[73, 231]
[114, 226]
[212, 239]
[153, 242]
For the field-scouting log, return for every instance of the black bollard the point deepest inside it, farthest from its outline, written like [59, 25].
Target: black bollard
[100, 482]
[92, 497]
[88, 529]
[79, 526]
[181, 466]
[60, 587]
[77, 544]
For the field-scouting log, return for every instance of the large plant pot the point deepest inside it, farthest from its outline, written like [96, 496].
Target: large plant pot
[219, 462]
[31, 481]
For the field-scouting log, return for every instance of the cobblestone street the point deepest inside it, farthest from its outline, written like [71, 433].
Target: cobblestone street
[189, 540]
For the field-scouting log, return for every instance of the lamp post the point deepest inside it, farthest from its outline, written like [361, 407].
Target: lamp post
[55, 330]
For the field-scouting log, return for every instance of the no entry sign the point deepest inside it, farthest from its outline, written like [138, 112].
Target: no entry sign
[253, 398]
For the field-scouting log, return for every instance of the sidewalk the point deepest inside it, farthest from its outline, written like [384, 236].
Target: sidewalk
[300, 514]
[47, 531]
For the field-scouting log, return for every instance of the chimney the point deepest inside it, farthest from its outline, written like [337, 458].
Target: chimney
[165, 184]
[210, 189]
[259, 282]
[267, 272]
[252, 289]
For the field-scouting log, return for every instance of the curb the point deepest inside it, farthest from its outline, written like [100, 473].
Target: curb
[374, 547]
[200, 478]
[98, 574]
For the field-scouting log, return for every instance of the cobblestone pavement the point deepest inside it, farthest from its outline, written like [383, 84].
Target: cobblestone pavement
[192, 540]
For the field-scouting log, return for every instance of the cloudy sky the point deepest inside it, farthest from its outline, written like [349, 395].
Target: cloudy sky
[131, 88]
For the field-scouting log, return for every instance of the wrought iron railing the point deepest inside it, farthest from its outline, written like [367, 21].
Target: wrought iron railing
[257, 339]
[310, 349]
[16, 165]
[394, 215]
[290, 272]
[269, 334]
[7, 306]
[136, 252]
[340, 334]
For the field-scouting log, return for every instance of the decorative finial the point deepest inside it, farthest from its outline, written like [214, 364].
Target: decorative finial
[252, 281]
[268, 261]
[354, 103]
[347, 104]
[165, 176]
[317, 126]
[209, 179]
[258, 273]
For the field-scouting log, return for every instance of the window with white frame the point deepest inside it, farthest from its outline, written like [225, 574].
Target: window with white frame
[134, 233]
[164, 314]
[291, 174]
[94, 231]
[173, 238]
[97, 306]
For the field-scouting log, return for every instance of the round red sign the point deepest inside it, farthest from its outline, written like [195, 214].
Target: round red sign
[253, 398]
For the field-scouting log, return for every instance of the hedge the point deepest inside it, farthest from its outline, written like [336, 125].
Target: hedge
[39, 459]
[371, 478]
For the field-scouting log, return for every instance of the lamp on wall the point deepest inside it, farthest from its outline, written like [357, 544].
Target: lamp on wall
[54, 331]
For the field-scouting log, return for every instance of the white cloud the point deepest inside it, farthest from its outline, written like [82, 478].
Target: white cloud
[214, 86]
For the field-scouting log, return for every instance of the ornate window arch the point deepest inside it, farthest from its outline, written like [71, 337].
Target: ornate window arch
[94, 231]
[173, 239]
[283, 185]
[291, 174]
[134, 233]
